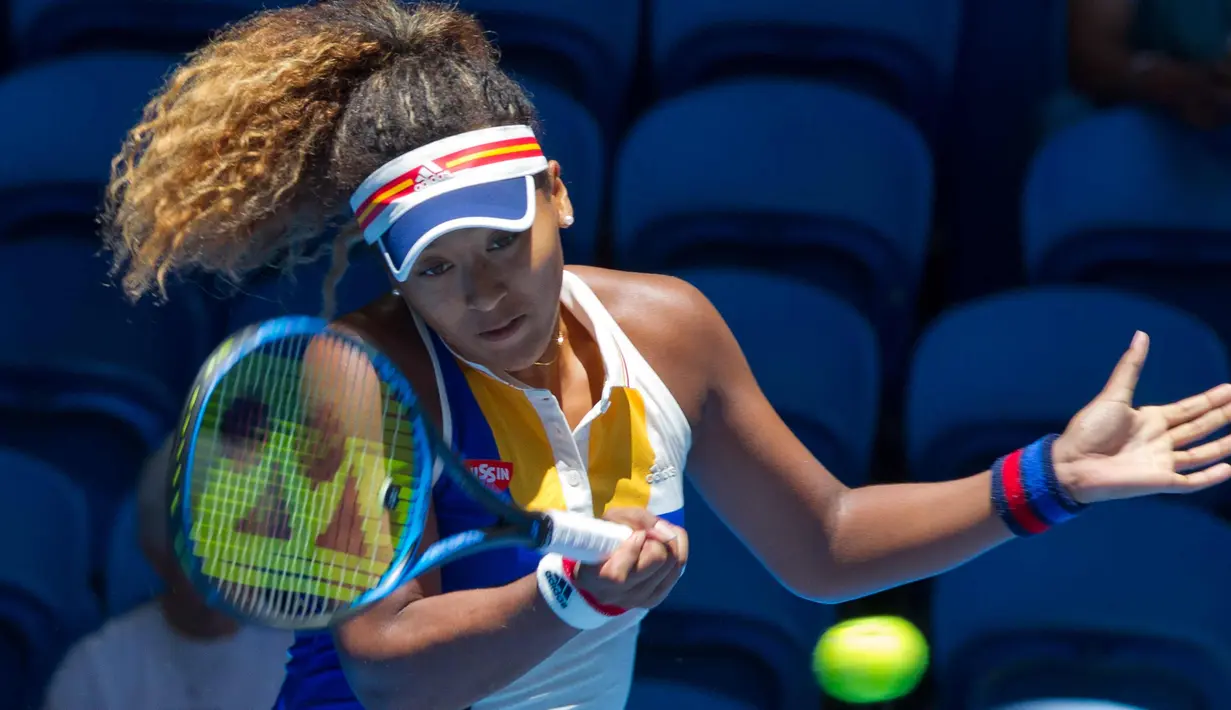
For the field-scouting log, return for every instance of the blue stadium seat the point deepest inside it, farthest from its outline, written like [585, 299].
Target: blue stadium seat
[586, 48]
[711, 655]
[901, 51]
[130, 580]
[45, 600]
[571, 136]
[1127, 603]
[58, 147]
[826, 386]
[993, 375]
[41, 29]
[1133, 199]
[704, 179]
[815, 358]
[88, 381]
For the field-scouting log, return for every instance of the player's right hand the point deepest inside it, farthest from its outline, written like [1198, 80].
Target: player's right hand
[644, 568]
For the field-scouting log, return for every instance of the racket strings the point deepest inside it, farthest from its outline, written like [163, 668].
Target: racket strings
[294, 521]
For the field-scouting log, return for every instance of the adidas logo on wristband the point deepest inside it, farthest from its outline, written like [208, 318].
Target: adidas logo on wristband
[561, 589]
[566, 600]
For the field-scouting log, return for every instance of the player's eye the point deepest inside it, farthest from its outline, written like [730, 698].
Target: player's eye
[503, 239]
[436, 269]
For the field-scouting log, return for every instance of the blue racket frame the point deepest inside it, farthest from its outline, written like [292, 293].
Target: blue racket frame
[243, 343]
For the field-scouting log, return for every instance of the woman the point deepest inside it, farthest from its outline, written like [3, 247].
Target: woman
[577, 388]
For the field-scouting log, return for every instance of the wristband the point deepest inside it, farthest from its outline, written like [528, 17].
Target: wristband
[575, 606]
[1026, 494]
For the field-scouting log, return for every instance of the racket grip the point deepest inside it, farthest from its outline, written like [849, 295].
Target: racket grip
[583, 538]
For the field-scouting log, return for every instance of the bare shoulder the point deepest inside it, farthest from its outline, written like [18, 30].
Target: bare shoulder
[651, 307]
[672, 324]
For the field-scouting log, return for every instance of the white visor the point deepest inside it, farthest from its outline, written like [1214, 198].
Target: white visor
[483, 179]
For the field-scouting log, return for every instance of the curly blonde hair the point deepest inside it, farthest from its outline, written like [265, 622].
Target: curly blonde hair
[251, 149]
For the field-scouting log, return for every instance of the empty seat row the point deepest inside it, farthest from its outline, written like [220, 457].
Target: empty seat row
[700, 181]
[895, 48]
[1121, 605]
[1133, 199]
[848, 207]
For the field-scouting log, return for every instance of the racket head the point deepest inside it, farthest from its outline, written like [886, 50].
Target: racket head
[281, 514]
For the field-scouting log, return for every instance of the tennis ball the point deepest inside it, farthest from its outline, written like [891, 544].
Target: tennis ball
[870, 660]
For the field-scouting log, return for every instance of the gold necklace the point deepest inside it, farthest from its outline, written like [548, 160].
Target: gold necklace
[559, 345]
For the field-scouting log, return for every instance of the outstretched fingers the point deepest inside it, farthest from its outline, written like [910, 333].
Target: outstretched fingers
[1191, 408]
[1203, 455]
[1200, 480]
[1199, 428]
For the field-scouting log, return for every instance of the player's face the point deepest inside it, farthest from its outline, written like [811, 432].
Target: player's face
[495, 296]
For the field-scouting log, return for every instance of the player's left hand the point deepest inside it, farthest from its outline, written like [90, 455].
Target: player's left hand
[1112, 450]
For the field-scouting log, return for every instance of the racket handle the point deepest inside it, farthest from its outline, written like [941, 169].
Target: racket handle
[583, 538]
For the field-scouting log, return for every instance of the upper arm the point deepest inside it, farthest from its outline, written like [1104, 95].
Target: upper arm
[755, 474]
[1099, 43]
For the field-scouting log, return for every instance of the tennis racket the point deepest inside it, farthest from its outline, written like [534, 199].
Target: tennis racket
[302, 476]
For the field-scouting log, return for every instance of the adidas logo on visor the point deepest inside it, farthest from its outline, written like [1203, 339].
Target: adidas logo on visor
[430, 174]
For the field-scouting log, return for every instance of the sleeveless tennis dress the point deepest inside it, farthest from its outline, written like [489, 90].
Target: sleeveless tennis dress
[628, 451]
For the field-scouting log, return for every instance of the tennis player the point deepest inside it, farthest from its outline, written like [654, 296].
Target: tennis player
[566, 388]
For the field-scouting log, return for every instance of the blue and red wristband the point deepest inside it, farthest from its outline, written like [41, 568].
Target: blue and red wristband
[1026, 493]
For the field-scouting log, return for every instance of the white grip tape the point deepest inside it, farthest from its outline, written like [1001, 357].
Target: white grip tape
[565, 598]
[583, 538]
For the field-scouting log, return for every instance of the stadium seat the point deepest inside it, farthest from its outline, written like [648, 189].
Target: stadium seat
[89, 381]
[829, 395]
[718, 657]
[130, 580]
[586, 48]
[58, 147]
[704, 180]
[45, 600]
[815, 358]
[993, 375]
[571, 135]
[900, 51]
[1133, 199]
[43, 29]
[1126, 604]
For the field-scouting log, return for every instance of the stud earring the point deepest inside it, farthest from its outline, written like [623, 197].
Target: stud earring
[568, 220]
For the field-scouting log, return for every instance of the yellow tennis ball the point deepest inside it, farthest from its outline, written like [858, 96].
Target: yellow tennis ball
[870, 660]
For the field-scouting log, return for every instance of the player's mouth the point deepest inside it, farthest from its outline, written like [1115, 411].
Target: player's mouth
[505, 331]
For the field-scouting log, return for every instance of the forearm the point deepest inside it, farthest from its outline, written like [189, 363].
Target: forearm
[888, 535]
[446, 652]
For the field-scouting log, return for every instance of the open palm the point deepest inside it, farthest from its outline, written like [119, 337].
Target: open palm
[1112, 450]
